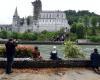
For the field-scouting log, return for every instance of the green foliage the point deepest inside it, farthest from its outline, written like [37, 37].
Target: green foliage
[71, 16]
[2, 51]
[73, 36]
[88, 19]
[74, 28]
[9, 34]
[24, 51]
[94, 38]
[78, 29]
[43, 36]
[21, 51]
[86, 12]
[86, 25]
[94, 22]
[29, 36]
[3, 34]
[74, 16]
[46, 36]
[16, 35]
[72, 51]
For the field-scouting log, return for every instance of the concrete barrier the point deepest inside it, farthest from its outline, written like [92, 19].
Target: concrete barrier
[37, 42]
[22, 63]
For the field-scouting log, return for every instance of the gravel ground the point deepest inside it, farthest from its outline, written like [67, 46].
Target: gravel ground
[50, 74]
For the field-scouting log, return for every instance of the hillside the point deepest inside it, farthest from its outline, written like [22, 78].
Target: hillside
[74, 16]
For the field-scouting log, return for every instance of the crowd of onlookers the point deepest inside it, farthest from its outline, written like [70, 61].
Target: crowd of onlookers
[11, 48]
[53, 54]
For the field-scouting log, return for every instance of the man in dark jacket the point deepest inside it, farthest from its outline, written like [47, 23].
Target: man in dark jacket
[95, 60]
[10, 52]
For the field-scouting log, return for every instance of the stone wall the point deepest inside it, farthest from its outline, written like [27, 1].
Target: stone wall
[3, 41]
[47, 63]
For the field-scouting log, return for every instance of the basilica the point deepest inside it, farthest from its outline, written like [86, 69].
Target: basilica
[40, 21]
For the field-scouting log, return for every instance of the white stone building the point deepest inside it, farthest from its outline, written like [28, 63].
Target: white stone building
[40, 21]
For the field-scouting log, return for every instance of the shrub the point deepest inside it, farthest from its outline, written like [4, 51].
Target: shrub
[78, 29]
[2, 51]
[29, 36]
[21, 51]
[16, 35]
[46, 36]
[72, 51]
[3, 34]
[73, 36]
[24, 51]
[94, 38]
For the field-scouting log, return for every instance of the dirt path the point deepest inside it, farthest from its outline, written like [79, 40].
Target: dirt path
[50, 74]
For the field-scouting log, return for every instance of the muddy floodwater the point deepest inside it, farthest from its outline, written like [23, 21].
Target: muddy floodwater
[51, 74]
[46, 49]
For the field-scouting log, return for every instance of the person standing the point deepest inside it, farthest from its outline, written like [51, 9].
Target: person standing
[10, 52]
[95, 57]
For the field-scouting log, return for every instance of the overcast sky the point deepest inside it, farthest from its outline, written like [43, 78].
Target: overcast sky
[25, 8]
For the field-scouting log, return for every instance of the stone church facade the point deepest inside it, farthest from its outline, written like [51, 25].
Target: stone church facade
[40, 21]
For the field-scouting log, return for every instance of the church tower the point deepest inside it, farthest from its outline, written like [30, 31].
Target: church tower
[16, 20]
[37, 8]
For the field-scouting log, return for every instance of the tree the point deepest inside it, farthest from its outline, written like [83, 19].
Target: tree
[86, 24]
[29, 36]
[3, 34]
[73, 36]
[99, 22]
[80, 30]
[94, 22]
[73, 16]
[73, 28]
[16, 35]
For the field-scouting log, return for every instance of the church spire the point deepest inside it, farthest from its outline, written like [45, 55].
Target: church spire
[16, 12]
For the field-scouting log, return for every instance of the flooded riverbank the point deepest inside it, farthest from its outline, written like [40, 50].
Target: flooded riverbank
[45, 50]
[50, 74]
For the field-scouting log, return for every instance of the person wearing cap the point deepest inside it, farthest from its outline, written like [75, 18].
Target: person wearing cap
[54, 54]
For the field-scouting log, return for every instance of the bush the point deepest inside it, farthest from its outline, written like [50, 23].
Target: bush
[16, 35]
[29, 36]
[72, 51]
[78, 29]
[2, 51]
[73, 36]
[22, 51]
[94, 38]
[3, 34]
[46, 36]
[43, 36]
